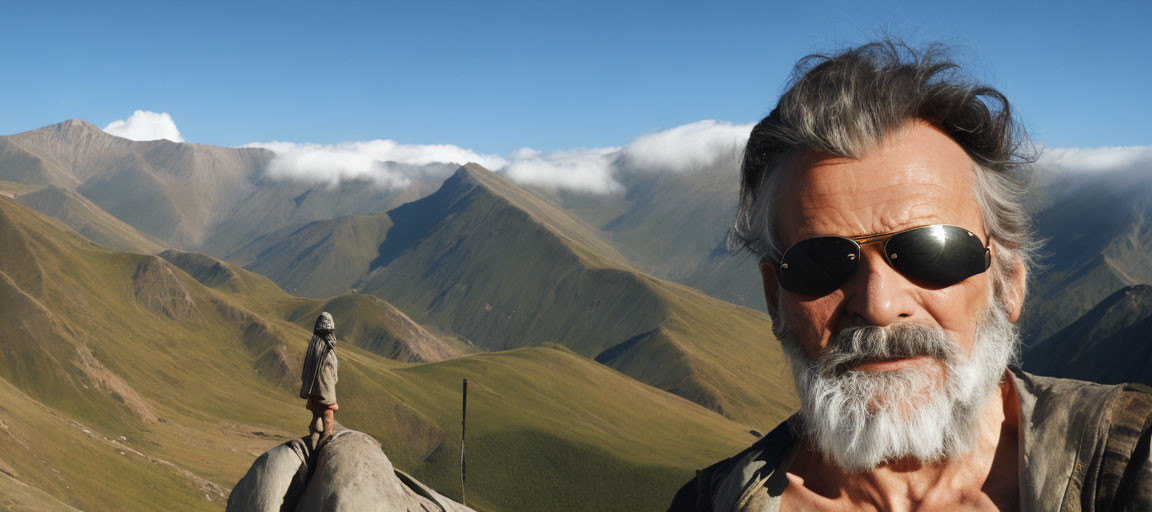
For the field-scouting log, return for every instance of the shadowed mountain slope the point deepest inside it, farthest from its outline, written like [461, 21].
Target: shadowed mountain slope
[320, 259]
[673, 225]
[503, 268]
[1111, 343]
[1098, 229]
[276, 204]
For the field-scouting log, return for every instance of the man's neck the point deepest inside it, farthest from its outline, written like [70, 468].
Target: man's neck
[986, 477]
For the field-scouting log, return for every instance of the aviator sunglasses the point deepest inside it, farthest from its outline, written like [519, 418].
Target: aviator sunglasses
[938, 254]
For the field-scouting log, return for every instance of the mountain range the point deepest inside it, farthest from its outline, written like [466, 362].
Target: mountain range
[504, 268]
[158, 296]
[138, 381]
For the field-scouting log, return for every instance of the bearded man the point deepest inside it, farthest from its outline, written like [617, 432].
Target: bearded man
[883, 194]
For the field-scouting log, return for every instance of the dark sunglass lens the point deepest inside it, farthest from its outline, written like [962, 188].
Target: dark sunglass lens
[941, 255]
[817, 266]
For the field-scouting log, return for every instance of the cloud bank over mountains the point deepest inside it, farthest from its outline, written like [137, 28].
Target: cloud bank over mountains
[1097, 160]
[582, 170]
[683, 148]
[686, 147]
[587, 170]
[145, 125]
[333, 163]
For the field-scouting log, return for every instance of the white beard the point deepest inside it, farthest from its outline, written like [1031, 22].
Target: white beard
[860, 419]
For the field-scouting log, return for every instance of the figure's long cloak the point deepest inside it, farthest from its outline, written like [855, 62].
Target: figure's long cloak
[318, 377]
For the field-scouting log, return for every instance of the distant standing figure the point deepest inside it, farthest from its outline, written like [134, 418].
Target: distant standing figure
[318, 379]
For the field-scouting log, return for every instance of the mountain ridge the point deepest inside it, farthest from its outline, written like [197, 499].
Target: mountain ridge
[203, 390]
[468, 258]
[1086, 349]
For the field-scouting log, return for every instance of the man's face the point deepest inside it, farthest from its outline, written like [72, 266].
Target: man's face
[886, 367]
[916, 176]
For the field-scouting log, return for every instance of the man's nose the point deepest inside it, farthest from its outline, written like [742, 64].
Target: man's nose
[877, 294]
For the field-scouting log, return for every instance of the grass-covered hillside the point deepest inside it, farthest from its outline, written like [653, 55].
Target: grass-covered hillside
[83, 216]
[504, 268]
[128, 383]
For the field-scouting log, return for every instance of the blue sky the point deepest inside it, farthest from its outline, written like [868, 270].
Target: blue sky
[494, 77]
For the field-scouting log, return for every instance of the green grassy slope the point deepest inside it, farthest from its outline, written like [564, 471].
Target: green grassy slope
[468, 259]
[320, 259]
[89, 220]
[586, 240]
[381, 328]
[122, 345]
[505, 276]
[108, 352]
[543, 418]
[714, 353]
[503, 268]
[367, 321]
[214, 273]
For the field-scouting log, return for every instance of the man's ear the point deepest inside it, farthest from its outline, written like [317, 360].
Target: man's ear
[1014, 295]
[771, 287]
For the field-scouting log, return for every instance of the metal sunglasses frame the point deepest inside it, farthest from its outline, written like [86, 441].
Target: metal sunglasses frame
[882, 238]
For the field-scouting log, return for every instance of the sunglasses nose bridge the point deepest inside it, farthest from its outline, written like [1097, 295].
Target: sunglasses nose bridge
[878, 294]
[882, 247]
[872, 249]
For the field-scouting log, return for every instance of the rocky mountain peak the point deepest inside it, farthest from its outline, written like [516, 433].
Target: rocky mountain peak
[71, 129]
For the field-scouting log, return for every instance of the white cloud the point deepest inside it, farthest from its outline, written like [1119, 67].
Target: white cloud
[145, 125]
[579, 170]
[1105, 159]
[684, 148]
[687, 147]
[586, 170]
[363, 160]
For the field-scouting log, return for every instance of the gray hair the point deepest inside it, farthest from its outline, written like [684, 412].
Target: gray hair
[845, 104]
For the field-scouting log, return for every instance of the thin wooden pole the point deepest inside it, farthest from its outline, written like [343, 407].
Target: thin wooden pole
[463, 429]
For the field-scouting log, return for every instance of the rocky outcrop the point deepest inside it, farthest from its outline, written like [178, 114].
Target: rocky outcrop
[351, 473]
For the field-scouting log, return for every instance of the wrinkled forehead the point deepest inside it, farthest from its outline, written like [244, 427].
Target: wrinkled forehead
[914, 177]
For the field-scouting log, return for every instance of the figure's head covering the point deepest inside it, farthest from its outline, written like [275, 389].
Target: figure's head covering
[324, 324]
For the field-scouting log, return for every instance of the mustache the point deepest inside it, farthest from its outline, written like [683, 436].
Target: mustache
[854, 346]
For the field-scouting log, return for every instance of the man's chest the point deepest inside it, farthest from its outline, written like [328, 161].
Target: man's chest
[990, 497]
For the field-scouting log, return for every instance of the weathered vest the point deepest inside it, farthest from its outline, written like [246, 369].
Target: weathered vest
[1084, 446]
